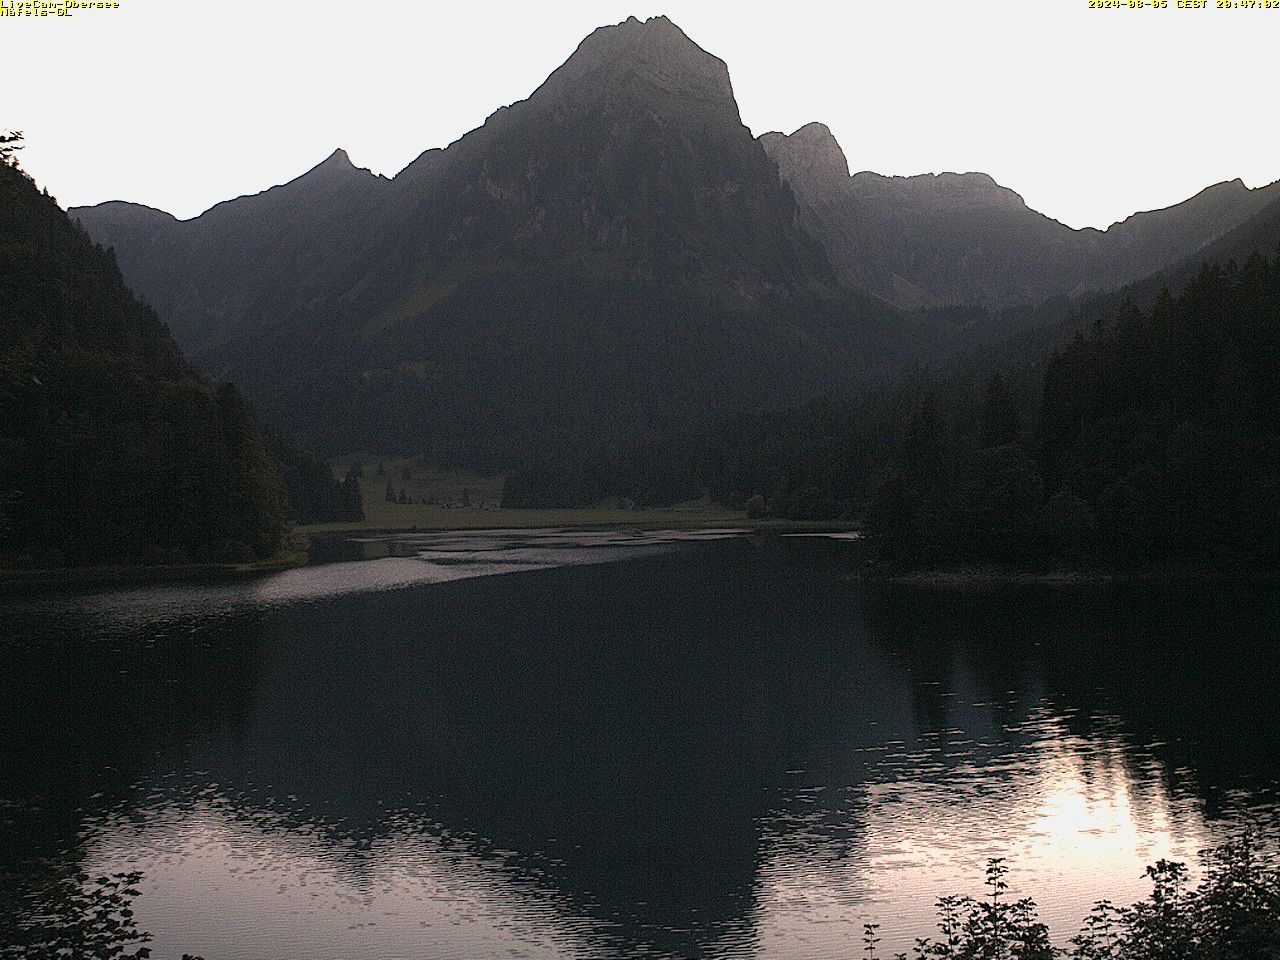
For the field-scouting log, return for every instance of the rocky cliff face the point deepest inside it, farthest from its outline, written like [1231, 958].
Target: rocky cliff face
[632, 153]
[810, 159]
[652, 60]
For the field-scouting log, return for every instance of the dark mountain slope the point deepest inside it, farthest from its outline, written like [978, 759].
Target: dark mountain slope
[112, 451]
[608, 258]
[630, 158]
[933, 240]
[1260, 234]
[244, 263]
[1032, 333]
[1161, 384]
[128, 229]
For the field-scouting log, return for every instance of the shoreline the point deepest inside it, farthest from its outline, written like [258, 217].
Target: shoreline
[985, 577]
[477, 521]
[940, 578]
[13, 580]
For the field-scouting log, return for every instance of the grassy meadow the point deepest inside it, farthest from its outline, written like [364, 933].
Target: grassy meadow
[428, 498]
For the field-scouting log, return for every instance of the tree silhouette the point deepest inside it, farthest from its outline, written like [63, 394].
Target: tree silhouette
[10, 144]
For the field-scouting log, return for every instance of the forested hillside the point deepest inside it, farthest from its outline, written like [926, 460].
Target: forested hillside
[1157, 441]
[1166, 423]
[112, 449]
[1150, 437]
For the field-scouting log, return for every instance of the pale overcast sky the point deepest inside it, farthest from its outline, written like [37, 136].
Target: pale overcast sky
[1089, 114]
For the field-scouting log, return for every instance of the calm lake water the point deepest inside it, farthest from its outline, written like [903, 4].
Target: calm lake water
[612, 745]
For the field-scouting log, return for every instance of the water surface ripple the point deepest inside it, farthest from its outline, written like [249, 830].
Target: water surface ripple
[658, 744]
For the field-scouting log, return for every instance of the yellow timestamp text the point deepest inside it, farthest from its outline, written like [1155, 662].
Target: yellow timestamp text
[1184, 4]
[53, 8]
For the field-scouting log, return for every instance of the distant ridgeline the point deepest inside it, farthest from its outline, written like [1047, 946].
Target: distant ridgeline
[1153, 436]
[934, 241]
[113, 451]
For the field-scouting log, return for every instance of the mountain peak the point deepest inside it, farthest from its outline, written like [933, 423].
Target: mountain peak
[336, 163]
[654, 56]
[657, 29]
[809, 159]
[335, 170]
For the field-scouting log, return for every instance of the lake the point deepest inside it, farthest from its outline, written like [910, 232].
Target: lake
[556, 744]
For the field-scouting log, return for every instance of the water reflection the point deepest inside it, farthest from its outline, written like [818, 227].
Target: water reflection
[412, 891]
[717, 749]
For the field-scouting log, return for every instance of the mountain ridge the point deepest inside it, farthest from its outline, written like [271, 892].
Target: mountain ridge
[932, 240]
[612, 255]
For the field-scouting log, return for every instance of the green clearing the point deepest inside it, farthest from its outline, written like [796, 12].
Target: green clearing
[461, 500]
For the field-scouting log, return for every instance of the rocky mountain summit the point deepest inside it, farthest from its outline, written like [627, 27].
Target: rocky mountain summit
[613, 256]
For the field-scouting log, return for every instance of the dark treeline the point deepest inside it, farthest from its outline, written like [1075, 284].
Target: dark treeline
[806, 461]
[821, 460]
[1166, 424]
[314, 494]
[112, 449]
[1155, 442]
[1150, 437]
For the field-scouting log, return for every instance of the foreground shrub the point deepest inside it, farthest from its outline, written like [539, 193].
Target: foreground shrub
[1233, 914]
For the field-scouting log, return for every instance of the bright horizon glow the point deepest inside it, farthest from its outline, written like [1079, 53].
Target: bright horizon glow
[1090, 115]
